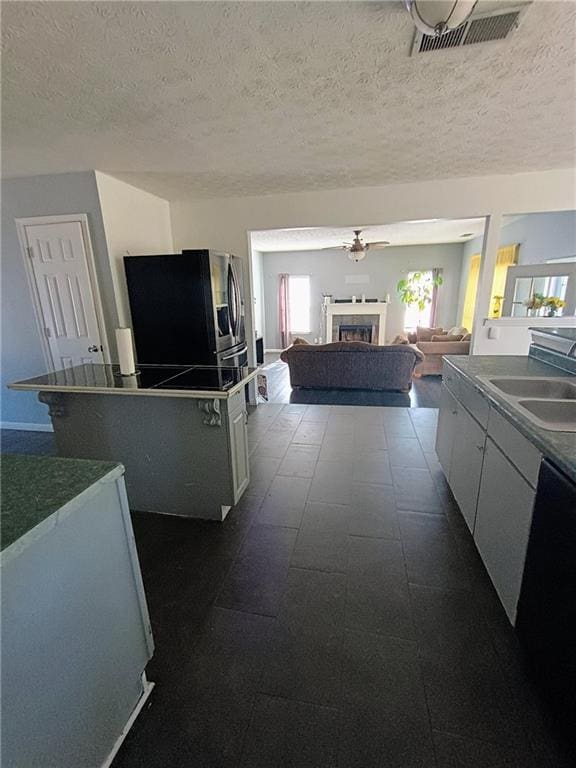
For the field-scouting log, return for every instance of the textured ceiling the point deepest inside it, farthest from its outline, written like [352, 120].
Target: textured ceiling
[401, 233]
[207, 99]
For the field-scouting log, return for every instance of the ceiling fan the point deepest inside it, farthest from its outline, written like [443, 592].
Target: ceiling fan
[358, 249]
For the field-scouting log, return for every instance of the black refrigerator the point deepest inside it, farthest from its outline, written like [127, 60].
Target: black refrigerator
[187, 308]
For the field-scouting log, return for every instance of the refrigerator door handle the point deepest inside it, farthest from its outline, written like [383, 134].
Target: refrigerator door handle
[232, 300]
[235, 353]
[238, 298]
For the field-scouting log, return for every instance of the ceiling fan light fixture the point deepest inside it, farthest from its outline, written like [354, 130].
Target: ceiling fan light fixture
[436, 17]
[357, 251]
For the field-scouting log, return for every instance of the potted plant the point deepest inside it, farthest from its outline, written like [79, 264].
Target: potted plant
[553, 303]
[535, 303]
[417, 289]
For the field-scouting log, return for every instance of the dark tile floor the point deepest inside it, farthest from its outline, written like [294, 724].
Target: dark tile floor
[425, 392]
[20, 441]
[339, 618]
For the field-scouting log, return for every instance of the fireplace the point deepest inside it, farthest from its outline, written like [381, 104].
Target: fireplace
[368, 316]
[355, 333]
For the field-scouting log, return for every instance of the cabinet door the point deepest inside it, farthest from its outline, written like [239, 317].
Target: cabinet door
[446, 429]
[503, 524]
[466, 465]
[239, 449]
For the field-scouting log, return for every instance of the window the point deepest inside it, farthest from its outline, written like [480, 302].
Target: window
[299, 293]
[415, 316]
[471, 290]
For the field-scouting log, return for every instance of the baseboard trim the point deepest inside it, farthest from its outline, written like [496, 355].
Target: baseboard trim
[26, 426]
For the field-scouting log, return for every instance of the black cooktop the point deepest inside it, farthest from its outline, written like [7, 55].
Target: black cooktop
[172, 377]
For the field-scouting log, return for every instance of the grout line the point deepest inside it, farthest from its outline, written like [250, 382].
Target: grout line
[421, 672]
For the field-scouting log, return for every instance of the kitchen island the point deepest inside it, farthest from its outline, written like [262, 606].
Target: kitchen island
[180, 431]
[76, 634]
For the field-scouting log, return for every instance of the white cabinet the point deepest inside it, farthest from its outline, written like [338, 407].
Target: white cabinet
[239, 453]
[466, 464]
[76, 634]
[492, 470]
[446, 431]
[503, 520]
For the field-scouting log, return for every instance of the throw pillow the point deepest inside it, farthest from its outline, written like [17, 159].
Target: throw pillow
[466, 337]
[425, 334]
[446, 337]
[457, 331]
[299, 340]
[401, 339]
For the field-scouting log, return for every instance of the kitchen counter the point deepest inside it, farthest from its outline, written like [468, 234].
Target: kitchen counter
[193, 381]
[558, 447]
[35, 487]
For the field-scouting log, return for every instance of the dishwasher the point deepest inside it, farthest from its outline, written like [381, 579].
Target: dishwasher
[546, 620]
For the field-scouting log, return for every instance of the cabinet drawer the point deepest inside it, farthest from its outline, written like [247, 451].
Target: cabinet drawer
[520, 451]
[474, 402]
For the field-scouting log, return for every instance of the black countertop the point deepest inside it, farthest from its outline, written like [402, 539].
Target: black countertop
[217, 381]
[558, 447]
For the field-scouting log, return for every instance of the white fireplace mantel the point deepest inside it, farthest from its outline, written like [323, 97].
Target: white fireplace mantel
[377, 308]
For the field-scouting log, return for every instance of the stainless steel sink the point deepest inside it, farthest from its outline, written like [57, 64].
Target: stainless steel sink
[552, 414]
[556, 389]
[549, 402]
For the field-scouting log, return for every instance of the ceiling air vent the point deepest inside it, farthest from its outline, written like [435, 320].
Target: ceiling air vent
[478, 29]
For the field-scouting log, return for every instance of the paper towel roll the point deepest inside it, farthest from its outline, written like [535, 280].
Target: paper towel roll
[125, 351]
[130, 382]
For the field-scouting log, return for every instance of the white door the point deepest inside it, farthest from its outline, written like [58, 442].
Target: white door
[466, 466]
[59, 265]
[503, 525]
[446, 430]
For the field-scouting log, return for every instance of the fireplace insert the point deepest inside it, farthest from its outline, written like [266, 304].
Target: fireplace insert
[355, 333]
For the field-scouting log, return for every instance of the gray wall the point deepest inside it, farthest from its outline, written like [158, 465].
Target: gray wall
[328, 271]
[21, 351]
[542, 236]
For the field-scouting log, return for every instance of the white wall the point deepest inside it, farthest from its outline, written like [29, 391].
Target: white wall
[383, 268]
[512, 335]
[135, 222]
[258, 293]
[225, 223]
[21, 350]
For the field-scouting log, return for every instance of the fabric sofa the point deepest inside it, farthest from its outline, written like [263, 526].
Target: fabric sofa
[434, 343]
[351, 365]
